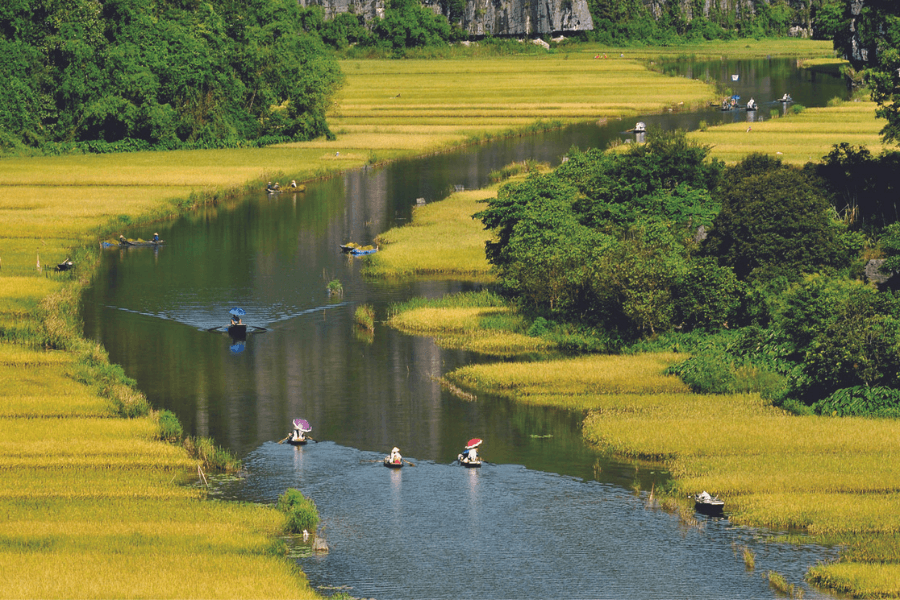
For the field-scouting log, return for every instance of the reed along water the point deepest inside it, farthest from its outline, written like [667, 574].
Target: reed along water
[547, 517]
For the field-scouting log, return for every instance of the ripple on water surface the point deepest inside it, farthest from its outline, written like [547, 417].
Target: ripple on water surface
[504, 531]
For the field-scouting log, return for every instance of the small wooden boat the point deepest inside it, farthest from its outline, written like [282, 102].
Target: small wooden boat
[392, 465]
[123, 243]
[298, 436]
[363, 251]
[469, 464]
[238, 331]
[786, 98]
[751, 106]
[709, 505]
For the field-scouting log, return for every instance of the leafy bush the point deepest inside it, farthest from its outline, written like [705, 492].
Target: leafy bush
[170, 428]
[862, 401]
[859, 345]
[301, 512]
[716, 372]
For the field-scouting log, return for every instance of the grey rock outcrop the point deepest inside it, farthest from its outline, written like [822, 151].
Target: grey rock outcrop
[488, 17]
[528, 17]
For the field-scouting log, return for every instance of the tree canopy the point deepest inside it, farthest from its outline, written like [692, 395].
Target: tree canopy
[165, 72]
[868, 34]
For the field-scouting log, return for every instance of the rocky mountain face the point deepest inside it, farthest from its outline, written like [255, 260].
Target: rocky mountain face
[540, 17]
[494, 17]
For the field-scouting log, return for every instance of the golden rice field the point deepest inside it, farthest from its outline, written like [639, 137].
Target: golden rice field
[442, 240]
[796, 138]
[837, 479]
[94, 506]
[464, 328]
[450, 101]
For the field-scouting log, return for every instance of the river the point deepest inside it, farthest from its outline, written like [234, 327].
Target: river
[548, 517]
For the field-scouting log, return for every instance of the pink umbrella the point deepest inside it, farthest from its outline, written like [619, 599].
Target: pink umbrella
[302, 425]
[473, 443]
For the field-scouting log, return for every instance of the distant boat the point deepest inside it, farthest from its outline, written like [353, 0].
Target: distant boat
[298, 437]
[786, 98]
[471, 464]
[124, 243]
[363, 251]
[392, 465]
[709, 505]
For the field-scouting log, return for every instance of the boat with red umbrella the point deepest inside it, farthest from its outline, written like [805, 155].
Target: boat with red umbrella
[469, 457]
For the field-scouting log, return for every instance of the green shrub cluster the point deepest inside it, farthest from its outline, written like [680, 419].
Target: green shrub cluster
[861, 401]
[606, 254]
[301, 512]
[170, 428]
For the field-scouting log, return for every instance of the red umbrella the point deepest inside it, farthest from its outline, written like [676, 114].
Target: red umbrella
[473, 443]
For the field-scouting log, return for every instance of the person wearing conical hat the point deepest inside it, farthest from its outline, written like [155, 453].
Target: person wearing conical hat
[395, 456]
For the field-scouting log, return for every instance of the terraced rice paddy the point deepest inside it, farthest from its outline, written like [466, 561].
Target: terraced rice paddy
[95, 506]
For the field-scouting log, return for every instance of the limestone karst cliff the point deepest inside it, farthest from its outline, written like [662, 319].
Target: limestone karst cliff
[549, 17]
[494, 17]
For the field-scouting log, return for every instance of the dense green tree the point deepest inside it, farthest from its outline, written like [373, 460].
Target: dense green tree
[409, 24]
[870, 39]
[606, 238]
[165, 72]
[774, 222]
[864, 187]
[828, 19]
[709, 296]
[860, 345]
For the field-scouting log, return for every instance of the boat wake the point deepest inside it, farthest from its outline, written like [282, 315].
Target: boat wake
[257, 318]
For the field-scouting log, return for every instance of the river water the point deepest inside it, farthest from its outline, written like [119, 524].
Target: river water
[548, 517]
